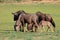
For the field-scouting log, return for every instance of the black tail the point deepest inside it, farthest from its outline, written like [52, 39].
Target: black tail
[53, 23]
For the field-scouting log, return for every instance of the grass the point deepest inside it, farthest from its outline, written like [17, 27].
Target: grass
[29, 36]
[7, 23]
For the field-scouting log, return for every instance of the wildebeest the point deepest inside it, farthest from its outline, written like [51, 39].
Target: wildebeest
[45, 23]
[16, 16]
[46, 17]
[23, 18]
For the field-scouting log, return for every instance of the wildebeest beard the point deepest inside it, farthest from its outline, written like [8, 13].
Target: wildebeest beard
[16, 18]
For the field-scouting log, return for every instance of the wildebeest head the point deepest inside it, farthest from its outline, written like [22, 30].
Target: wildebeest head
[16, 14]
[39, 13]
[41, 16]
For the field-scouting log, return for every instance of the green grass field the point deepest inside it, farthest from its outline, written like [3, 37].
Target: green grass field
[7, 22]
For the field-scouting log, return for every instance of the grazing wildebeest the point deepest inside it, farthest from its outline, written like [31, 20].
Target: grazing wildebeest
[22, 17]
[45, 17]
[45, 23]
[16, 16]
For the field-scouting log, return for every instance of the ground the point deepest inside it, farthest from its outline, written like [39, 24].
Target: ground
[6, 21]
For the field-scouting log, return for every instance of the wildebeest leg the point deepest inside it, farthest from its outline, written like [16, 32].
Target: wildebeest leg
[40, 27]
[14, 27]
[32, 28]
[24, 28]
[36, 27]
[48, 28]
[23, 24]
[29, 27]
[43, 28]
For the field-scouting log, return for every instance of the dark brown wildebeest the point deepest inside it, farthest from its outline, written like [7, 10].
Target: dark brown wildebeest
[46, 17]
[22, 18]
[16, 16]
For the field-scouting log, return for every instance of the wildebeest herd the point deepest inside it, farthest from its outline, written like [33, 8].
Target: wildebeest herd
[34, 21]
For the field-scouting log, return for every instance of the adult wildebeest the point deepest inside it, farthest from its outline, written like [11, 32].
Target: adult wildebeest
[22, 18]
[45, 17]
[16, 16]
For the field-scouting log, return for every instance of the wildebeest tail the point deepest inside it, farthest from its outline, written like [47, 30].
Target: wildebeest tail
[53, 23]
